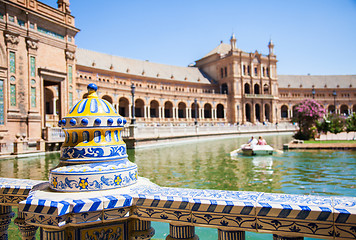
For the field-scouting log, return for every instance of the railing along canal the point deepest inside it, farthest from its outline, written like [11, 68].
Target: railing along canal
[231, 212]
[143, 131]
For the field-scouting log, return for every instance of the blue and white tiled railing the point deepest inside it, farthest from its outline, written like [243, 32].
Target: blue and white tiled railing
[282, 214]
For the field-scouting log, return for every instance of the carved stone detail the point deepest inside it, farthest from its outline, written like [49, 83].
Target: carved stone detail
[181, 232]
[28, 232]
[11, 39]
[225, 235]
[70, 55]
[142, 230]
[31, 43]
[5, 220]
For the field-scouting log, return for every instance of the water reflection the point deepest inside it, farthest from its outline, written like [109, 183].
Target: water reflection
[36, 167]
[208, 165]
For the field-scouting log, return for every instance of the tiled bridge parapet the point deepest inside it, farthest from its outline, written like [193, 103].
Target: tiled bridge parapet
[232, 212]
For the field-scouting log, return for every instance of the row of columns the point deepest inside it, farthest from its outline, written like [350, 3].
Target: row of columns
[253, 113]
[338, 111]
[175, 114]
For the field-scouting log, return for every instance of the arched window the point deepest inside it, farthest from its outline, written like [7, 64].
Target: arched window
[181, 110]
[224, 88]
[284, 111]
[139, 105]
[107, 98]
[207, 110]
[331, 109]
[247, 88]
[344, 110]
[265, 89]
[256, 89]
[154, 108]
[124, 107]
[220, 111]
[168, 110]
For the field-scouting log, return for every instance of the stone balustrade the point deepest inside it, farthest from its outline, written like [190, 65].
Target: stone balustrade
[143, 131]
[128, 212]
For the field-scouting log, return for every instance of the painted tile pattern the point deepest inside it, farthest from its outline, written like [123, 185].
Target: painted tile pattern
[13, 191]
[94, 145]
[313, 216]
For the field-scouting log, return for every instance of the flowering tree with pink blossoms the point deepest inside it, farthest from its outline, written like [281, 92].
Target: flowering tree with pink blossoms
[307, 113]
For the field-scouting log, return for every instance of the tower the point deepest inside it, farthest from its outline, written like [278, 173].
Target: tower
[233, 42]
[63, 5]
[270, 47]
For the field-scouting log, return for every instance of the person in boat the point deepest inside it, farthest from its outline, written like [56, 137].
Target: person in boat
[252, 141]
[261, 141]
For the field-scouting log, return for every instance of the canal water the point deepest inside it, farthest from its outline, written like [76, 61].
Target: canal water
[206, 164]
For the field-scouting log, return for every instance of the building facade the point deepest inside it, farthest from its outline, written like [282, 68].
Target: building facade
[42, 73]
[37, 48]
[226, 86]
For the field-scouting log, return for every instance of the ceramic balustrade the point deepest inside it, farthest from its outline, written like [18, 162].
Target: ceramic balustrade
[231, 212]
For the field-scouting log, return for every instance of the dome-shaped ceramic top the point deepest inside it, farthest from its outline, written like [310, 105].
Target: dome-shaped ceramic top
[93, 155]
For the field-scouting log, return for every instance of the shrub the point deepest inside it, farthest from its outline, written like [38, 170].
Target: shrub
[308, 112]
[331, 123]
[351, 123]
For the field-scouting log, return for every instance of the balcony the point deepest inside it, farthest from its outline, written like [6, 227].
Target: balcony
[259, 96]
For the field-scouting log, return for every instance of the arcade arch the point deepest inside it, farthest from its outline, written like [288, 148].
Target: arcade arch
[124, 107]
[193, 110]
[182, 110]
[139, 107]
[107, 98]
[207, 110]
[267, 113]
[248, 112]
[154, 109]
[344, 110]
[258, 112]
[284, 111]
[168, 109]
[220, 111]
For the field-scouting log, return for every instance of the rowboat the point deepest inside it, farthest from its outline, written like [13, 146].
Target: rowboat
[252, 150]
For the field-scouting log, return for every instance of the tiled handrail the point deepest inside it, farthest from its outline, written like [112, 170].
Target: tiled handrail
[283, 214]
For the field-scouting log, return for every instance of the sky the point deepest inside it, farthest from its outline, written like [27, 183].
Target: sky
[316, 37]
